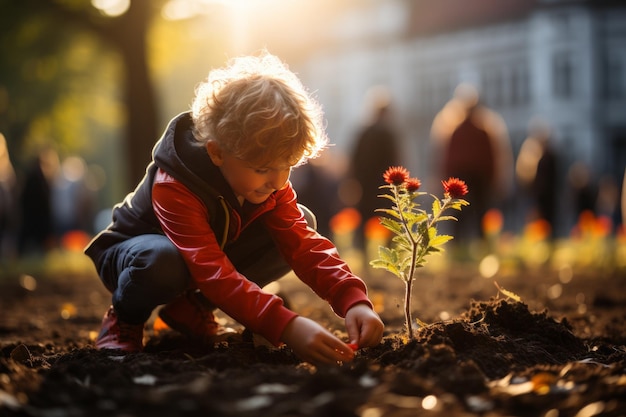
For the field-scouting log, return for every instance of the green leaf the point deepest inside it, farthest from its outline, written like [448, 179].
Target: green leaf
[436, 207]
[386, 254]
[415, 195]
[389, 212]
[386, 196]
[377, 263]
[442, 218]
[380, 264]
[422, 230]
[405, 262]
[402, 243]
[394, 226]
[416, 217]
[457, 204]
[440, 240]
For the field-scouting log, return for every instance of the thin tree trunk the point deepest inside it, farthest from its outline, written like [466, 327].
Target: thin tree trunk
[141, 125]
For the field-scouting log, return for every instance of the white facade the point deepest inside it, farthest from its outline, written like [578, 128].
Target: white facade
[563, 61]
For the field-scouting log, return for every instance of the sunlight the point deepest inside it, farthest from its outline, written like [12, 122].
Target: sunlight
[111, 8]
[251, 25]
[185, 9]
[236, 12]
[181, 9]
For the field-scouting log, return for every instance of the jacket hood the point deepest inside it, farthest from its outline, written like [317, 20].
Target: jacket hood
[179, 154]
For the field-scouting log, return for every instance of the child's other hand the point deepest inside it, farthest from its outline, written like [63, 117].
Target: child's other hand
[364, 326]
[314, 344]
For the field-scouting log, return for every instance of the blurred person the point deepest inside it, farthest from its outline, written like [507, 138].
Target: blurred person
[624, 200]
[216, 219]
[583, 189]
[471, 142]
[72, 200]
[36, 231]
[375, 150]
[7, 200]
[608, 200]
[536, 169]
[317, 188]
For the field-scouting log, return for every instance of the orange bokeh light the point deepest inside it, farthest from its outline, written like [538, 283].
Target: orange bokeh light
[376, 231]
[493, 220]
[603, 226]
[346, 221]
[537, 230]
[75, 240]
[589, 225]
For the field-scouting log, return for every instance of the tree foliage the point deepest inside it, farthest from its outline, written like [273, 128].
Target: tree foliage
[71, 75]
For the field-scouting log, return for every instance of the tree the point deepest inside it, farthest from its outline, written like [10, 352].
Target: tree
[125, 34]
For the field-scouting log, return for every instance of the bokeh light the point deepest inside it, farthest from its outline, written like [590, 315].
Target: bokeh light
[489, 266]
[111, 8]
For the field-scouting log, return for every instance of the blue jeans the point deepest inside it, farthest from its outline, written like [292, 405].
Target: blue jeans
[146, 271]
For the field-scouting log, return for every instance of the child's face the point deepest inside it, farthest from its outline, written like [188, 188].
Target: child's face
[248, 181]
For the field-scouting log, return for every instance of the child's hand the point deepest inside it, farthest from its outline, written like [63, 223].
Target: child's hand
[314, 344]
[364, 326]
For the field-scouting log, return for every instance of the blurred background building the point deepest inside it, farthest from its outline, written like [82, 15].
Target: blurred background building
[562, 61]
[98, 80]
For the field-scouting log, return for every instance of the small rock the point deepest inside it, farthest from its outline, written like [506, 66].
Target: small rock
[21, 354]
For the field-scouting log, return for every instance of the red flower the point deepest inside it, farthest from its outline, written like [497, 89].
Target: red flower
[396, 175]
[413, 184]
[454, 187]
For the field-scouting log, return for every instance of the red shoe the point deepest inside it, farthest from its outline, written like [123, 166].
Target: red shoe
[188, 315]
[115, 334]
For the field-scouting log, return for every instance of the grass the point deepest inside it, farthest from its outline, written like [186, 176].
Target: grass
[56, 263]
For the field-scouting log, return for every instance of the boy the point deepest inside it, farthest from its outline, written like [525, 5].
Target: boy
[215, 218]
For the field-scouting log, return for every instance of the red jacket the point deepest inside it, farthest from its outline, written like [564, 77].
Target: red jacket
[184, 219]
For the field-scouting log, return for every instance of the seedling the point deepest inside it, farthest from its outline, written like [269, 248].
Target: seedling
[414, 229]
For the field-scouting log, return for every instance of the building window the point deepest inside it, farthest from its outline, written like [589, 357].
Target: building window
[498, 88]
[561, 24]
[562, 75]
[614, 77]
[436, 89]
[486, 82]
[520, 85]
[425, 94]
[493, 86]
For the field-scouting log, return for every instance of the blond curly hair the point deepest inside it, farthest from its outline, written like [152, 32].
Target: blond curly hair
[258, 110]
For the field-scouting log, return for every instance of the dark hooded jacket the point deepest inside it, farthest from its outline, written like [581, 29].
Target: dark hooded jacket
[185, 197]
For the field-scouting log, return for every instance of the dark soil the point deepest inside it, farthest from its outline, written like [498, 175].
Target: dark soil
[554, 354]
